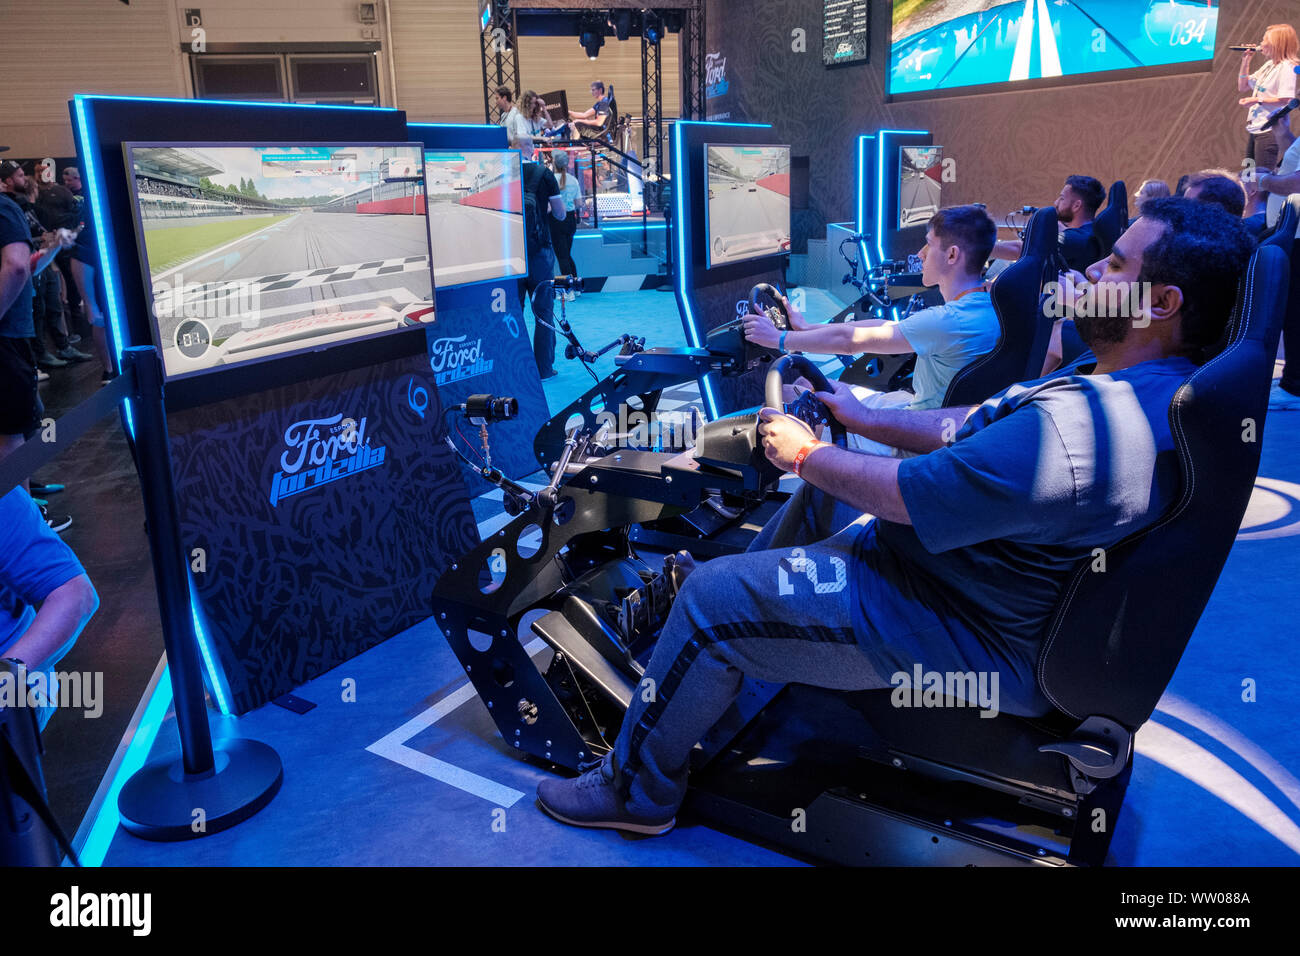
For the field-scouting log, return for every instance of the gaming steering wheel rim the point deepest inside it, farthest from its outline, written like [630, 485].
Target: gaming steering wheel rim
[764, 289]
[776, 379]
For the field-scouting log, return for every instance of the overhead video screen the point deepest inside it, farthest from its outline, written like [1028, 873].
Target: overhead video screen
[920, 182]
[257, 251]
[476, 215]
[749, 202]
[949, 44]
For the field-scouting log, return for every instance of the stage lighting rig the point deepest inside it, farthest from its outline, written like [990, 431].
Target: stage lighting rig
[652, 27]
[592, 35]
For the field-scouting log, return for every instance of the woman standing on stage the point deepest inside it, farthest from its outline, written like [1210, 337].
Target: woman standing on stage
[1271, 86]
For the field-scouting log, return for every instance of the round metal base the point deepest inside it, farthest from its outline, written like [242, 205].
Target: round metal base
[160, 802]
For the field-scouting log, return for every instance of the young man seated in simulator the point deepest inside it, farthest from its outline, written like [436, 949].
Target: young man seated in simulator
[946, 338]
[971, 545]
[594, 118]
[1076, 208]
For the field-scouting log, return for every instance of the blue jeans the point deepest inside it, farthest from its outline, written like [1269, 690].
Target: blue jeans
[764, 614]
[541, 273]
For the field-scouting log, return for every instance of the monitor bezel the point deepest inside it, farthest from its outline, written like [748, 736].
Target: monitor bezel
[142, 258]
[708, 234]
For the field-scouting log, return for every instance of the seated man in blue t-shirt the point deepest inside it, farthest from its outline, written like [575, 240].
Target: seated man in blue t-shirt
[945, 338]
[972, 542]
[37, 568]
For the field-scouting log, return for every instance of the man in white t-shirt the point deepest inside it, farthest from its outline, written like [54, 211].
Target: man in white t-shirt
[514, 122]
[1282, 183]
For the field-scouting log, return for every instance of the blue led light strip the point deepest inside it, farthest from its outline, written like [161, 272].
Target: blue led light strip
[864, 248]
[880, 181]
[684, 262]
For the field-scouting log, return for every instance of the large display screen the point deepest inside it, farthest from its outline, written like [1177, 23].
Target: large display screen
[948, 44]
[920, 182]
[749, 202]
[476, 215]
[257, 251]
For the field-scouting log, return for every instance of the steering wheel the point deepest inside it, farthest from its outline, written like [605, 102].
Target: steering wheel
[764, 299]
[775, 398]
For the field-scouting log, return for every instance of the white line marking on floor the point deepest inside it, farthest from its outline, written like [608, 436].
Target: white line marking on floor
[393, 747]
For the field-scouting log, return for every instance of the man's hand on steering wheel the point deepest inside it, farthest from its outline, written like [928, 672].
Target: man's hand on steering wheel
[845, 406]
[783, 437]
[760, 330]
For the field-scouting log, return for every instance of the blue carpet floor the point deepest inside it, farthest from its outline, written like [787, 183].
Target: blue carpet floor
[414, 771]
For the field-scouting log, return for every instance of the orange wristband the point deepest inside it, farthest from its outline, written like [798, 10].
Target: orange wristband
[803, 454]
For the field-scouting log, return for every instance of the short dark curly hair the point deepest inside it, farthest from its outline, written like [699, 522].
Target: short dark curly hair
[971, 229]
[1221, 187]
[1204, 252]
[1090, 190]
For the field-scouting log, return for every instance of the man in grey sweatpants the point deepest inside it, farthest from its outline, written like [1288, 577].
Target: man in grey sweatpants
[972, 541]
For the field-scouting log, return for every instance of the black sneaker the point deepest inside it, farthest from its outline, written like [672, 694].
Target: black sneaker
[59, 523]
[107, 377]
[47, 361]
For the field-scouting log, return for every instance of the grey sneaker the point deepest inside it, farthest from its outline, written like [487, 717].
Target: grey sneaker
[69, 354]
[592, 800]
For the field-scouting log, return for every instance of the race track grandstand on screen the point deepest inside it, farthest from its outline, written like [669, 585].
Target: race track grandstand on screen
[947, 44]
[749, 203]
[244, 252]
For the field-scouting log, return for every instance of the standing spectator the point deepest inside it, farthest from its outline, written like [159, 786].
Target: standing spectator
[20, 402]
[562, 233]
[541, 199]
[47, 305]
[511, 118]
[77, 324]
[90, 286]
[1278, 185]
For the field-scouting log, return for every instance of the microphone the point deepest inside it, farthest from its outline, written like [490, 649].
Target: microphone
[1245, 48]
[1276, 116]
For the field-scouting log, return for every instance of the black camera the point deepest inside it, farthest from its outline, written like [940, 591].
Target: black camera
[485, 409]
[568, 283]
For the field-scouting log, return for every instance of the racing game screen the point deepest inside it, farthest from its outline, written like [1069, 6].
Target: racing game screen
[947, 44]
[920, 181]
[257, 251]
[749, 202]
[476, 215]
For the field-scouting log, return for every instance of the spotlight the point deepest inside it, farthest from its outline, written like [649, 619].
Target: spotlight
[592, 35]
[652, 27]
[621, 21]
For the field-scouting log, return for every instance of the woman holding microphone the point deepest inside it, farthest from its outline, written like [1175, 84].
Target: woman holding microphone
[1271, 86]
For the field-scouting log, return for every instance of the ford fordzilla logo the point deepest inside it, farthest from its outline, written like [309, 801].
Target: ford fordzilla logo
[456, 359]
[715, 75]
[321, 450]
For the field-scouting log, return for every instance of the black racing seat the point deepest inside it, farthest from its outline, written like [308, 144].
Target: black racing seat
[1110, 222]
[1115, 639]
[1016, 294]
[1283, 234]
